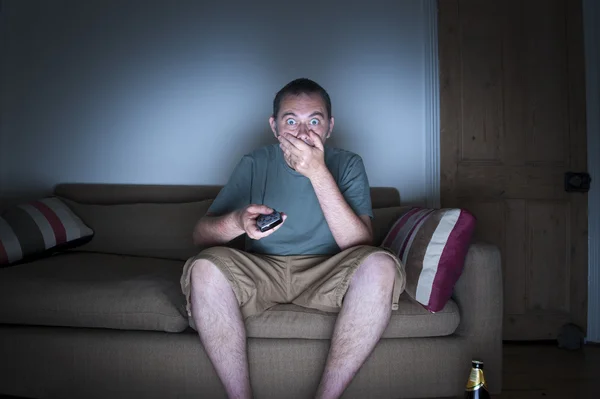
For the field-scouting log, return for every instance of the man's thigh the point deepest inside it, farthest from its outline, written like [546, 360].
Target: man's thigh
[257, 280]
[323, 285]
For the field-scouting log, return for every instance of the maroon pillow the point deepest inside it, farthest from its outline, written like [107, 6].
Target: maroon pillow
[432, 244]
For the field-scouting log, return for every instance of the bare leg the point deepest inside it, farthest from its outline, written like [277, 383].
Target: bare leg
[363, 318]
[221, 328]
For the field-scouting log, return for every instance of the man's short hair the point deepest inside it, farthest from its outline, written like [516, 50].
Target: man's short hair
[301, 86]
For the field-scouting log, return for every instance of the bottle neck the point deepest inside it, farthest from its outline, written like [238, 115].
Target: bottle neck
[476, 379]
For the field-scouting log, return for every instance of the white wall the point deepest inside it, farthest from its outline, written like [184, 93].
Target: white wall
[175, 92]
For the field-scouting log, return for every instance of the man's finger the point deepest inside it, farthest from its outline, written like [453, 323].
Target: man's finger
[287, 147]
[286, 151]
[259, 209]
[284, 141]
[292, 160]
[316, 140]
[297, 143]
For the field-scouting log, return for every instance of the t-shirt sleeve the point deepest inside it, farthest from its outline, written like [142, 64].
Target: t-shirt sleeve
[355, 188]
[236, 193]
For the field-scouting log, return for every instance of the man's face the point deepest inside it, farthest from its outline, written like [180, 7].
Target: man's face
[300, 114]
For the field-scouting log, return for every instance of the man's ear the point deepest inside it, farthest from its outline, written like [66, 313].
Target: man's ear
[273, 125]
[331, 123]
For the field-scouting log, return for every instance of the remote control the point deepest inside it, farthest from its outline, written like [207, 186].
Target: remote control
[267, 222]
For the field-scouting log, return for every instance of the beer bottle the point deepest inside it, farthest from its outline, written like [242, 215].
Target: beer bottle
[476, 386]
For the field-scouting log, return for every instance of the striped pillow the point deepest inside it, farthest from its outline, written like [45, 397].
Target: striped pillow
[38, 227]
[432, 244]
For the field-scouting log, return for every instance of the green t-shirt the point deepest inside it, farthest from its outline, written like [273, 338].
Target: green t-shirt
[263, 177]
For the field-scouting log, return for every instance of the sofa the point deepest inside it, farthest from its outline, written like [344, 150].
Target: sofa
[106, 318]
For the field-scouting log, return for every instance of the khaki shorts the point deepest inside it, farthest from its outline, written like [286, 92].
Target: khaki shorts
[313, 281]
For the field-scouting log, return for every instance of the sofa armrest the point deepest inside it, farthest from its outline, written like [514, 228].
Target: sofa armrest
[479, 296]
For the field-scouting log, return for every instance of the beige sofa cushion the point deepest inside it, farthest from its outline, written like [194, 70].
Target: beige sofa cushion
[410, 320]
[136, 293]
[93, 193]
[154, 230]
[164, 230]
[94, 290]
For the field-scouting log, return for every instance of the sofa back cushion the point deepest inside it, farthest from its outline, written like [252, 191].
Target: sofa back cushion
[154, 230]
[158, 220]
[115, 194]
[111, 194]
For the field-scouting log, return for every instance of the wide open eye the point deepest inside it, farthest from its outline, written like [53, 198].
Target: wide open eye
[314, 121]
[290, 122]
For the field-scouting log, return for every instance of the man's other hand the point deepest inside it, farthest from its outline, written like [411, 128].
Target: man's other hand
[246, 219]
[306, 159]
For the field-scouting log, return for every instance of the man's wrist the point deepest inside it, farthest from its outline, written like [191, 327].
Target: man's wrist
[235, 222]
[320, 175]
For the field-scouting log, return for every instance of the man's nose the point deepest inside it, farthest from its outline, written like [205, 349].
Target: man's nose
[304, 128]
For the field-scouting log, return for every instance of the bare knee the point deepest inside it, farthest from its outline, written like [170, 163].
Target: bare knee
[206, 277]
[378, 270]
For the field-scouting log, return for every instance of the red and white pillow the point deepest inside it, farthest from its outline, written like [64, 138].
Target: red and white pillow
[432, 244]
[37, 227]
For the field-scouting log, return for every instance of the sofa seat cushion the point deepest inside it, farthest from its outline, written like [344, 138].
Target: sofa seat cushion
[94, 290]
[410, 320]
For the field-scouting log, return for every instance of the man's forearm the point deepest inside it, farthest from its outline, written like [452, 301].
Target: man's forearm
[347, 228]
[216, 230]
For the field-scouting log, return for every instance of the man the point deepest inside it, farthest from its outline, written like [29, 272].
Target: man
[320, 256]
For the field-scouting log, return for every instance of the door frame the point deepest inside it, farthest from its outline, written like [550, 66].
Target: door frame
[432, 103]
[591, 19]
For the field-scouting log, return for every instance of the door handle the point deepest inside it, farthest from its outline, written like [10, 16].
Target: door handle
[577, 182]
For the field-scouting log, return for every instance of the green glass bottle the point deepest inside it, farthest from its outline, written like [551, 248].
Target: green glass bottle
[476, 386]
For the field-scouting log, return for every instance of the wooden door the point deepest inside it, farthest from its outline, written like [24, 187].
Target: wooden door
[512, 123]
